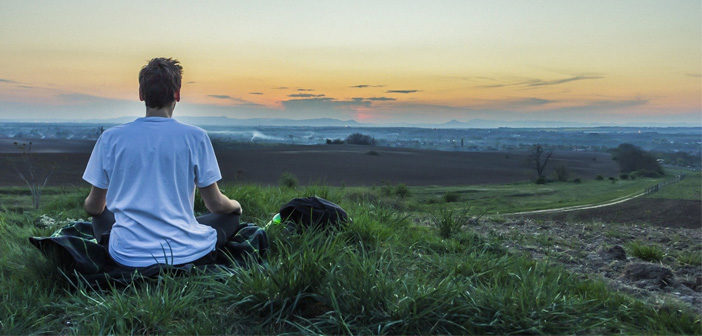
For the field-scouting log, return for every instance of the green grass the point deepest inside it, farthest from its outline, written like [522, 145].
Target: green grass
[527, 196]
[689, 188]
[692, 258]
[643, 251]
[381, 274]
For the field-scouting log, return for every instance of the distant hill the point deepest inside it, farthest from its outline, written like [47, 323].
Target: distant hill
[224, 121]
[331, 122]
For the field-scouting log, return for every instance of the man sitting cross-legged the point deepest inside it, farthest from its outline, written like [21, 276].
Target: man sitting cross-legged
[143, 176]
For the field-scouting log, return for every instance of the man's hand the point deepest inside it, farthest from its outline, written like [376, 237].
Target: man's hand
[217, 202]
[94, 204]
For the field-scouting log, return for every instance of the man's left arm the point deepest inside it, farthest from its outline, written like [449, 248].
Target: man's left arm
[94, 204]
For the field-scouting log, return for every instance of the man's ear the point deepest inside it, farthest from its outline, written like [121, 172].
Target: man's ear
[141, 95]
[176, 95]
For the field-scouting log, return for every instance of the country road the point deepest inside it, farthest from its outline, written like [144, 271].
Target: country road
[580, 207]
[599, 205]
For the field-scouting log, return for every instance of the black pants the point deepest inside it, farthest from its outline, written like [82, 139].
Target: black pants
[225, 225]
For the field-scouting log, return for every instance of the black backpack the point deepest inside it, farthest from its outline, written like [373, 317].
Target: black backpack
[313, 212]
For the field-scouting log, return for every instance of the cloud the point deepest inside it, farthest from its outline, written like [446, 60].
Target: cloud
[305, 95]
[82, 99]
[256, 93]
[374, 98]
[322, 104]
[305, 90]
[4, 80]
[361, 86]
[281, 88]
[236, 99]
[402, 91]
[612, 104]
[540, 82]
[514, 104]
[696, 75]
[190, 82]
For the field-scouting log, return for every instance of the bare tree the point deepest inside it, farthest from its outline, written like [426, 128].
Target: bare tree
[539, 158]
[29, 173]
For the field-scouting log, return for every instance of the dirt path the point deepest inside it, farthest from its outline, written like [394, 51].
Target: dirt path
[581, 207]
[615, 201]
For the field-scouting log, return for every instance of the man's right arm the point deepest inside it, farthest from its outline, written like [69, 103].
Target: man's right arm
[217, 202]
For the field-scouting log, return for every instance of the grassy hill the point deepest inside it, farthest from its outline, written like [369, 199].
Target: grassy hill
[391, 271]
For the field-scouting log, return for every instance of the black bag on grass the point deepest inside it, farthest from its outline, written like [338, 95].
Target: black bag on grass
[75, 251]
[314, 212]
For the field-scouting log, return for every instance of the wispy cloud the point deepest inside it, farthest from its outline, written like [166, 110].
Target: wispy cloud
[281, 88]
[402, 91]
[361, 86]
[220, 96]
[305, 95]
[228, 97]
[696, 75]
[255, 93]
[374, 98]
[4, 80]
[541, 82]
[305, 90]
[323, 104]
[190, 82]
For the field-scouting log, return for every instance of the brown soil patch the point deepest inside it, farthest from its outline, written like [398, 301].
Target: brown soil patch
[660, 212]
[335, 164]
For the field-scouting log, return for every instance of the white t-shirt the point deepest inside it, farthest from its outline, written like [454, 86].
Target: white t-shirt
[150, 168]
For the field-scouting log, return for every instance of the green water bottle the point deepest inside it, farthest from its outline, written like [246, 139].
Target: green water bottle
[276, 220]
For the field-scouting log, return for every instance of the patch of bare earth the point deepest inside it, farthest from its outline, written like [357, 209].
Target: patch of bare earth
[656, 211]
[598, 250]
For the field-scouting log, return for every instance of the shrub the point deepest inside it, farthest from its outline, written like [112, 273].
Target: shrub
[645, 252]
[335, 142]
[541, 180]
[561, 173]
[451, 196]
[386, 190]
[624, 176]
[288, 180]
[402, 190]
[373, 153]
[647, 173]
[577, 180]
[360, 139]
[612, 179]
[448, 222]
[599, 177]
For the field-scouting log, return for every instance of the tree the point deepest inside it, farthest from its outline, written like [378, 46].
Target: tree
[29, 172]
[634, 159]
[539, 158]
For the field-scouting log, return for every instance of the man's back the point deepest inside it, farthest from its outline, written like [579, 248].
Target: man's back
[150, 168]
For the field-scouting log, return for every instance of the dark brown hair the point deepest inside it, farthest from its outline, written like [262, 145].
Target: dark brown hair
[159, 80]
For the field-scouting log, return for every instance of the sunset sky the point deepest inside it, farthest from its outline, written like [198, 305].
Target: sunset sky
[371, 61]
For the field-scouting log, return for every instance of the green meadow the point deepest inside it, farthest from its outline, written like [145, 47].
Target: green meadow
[395, 269]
